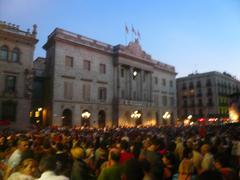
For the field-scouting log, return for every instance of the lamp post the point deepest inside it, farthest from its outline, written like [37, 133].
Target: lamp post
[166, 116]
[85, 116]
[136, 115]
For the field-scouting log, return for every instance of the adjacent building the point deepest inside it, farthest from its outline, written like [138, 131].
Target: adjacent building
[96, 84]
[205, 95]
[16, 61]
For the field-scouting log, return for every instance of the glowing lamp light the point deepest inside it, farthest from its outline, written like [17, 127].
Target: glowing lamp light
[212, 119]
[135, 73]
[201, 119]
[167, 115]
[233, 115]
[186, 122]
[37, 114]
[136, 115]
[86, 115]
[40, 109]
[189, 117]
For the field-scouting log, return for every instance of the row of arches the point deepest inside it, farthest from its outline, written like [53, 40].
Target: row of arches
[4, 54]
[85, 118]
[136, 116]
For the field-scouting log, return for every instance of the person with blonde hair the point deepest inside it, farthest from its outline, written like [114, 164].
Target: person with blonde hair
[25, 171]
[207, 161]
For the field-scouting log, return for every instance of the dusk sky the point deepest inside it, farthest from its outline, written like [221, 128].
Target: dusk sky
[192, 35]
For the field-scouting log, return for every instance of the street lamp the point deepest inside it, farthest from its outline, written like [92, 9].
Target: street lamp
[86, 115]
[136, 115]
[135, 73]
[166, 116]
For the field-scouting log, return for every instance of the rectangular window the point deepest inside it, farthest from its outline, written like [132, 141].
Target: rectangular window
[156, 99]
[172, 103]
[10, 84]
[86, 92]
[164, 100]
[156, 80]
[87, 65]
[122, 72]
[102, 68]
[171, 83]
[68, 61]
[134, 95]
[164, 82]
[9, 111]
[102, 93]
[122, 94]
[68, 90]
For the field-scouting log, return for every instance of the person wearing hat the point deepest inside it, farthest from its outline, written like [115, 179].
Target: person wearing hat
[80, 170]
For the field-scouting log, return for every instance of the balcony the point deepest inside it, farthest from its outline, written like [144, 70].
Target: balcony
[199, 95]
[210, 104]
[136, 103]
[209, 93]
[9, 94]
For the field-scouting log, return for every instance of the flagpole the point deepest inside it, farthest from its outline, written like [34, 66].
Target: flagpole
[126, 33]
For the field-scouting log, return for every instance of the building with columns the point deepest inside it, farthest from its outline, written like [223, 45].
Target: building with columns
[205, 96]
[93, 83]
[16, 62]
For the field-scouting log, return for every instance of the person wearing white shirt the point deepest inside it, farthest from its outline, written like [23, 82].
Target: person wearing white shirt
[47, 166]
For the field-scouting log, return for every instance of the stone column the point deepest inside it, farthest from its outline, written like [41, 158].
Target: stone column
[130, 81]
[151, 89]
[141, 85]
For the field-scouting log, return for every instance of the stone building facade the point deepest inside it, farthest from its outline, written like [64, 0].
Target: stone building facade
[16, 61]
[205, 95]
[97, 84]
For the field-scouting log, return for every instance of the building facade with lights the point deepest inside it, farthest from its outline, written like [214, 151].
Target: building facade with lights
[97, 84]
[205, 96]
[16, 62]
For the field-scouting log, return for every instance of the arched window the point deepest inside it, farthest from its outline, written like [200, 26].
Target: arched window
[4, 53]
[15, 55]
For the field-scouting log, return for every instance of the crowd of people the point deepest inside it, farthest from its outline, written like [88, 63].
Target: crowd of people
[148, 153]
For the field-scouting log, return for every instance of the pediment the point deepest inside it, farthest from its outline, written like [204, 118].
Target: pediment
[134, 48]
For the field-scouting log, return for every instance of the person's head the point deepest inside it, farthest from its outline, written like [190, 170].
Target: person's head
[210, 175]
[47, 163]
[23, 144]
[28, 166]
[2, 140]
[205, 149]
[187, 153]
[124, 145]
[220, 161]
[114, 155]
[77, 153]
[168, 159]
[146, 166]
